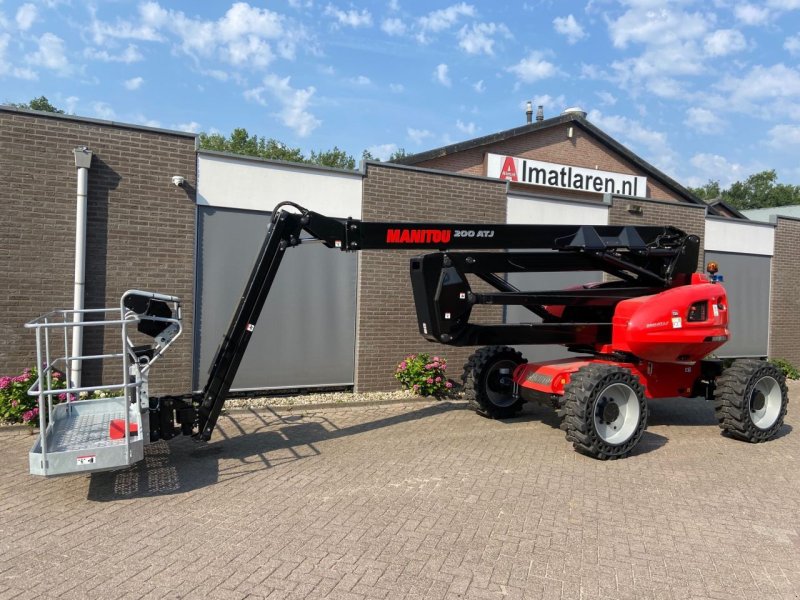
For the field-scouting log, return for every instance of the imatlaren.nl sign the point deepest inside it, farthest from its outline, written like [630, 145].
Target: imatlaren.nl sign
[565, 177]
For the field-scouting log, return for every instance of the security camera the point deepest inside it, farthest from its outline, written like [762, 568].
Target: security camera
[178, 180]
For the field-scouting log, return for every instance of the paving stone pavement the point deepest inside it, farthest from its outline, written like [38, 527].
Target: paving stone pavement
[413, 501]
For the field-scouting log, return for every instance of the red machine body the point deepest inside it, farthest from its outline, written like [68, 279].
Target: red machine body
[663, 337]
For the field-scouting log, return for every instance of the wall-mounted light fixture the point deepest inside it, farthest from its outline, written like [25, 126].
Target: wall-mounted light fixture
[635, 209]
[178, 180]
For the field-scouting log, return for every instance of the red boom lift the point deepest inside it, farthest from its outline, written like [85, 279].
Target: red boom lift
[643, 334]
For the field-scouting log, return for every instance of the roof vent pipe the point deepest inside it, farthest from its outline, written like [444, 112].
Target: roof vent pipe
[529, 111]
[83, 160]
[575, 110]
[540, 113]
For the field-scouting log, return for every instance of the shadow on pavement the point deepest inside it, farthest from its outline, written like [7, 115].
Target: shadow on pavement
[182, 464]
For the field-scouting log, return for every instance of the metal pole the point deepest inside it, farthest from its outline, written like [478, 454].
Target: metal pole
[83, 160]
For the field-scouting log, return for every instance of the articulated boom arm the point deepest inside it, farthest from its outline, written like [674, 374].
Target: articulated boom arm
[644, 259]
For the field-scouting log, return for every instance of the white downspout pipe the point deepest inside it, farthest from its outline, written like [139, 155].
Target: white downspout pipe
[83, 161]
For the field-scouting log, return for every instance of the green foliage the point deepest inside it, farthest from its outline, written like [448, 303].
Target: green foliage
[41, 103]
[332, 158]
[424, 375]
[241, 142]
[760, 190]
[397, 155]
[788, 368]
[16, 406]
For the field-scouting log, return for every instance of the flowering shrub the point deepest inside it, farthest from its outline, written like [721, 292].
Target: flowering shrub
[424, 375]
[15, 404]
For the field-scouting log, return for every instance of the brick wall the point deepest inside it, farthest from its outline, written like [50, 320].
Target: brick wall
[140, 230]
[688, 217]
[784, 316]
[386, 328]
[551, 145]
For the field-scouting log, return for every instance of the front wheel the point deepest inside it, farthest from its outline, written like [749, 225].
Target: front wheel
[750, 400]
[488, 383]
[605, 411]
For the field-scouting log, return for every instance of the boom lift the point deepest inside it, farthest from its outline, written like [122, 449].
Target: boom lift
[643, 334]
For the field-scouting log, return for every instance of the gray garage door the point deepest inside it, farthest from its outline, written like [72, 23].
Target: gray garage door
[747, 281]
[306, 334]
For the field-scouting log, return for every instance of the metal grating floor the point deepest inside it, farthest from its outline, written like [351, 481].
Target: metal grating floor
[83, 432]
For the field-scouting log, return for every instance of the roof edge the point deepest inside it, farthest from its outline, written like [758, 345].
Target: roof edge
[50, 115]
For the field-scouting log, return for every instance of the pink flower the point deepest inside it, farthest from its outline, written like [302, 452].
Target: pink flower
[429, 366]
[438, 380]
[30, 415]
[448, 385]
[62, 396]
[5, 382]
[403, 366]
[416, 387]
[56, 375]
[435, 365]
[20, 378]
[429, 380]
[436, 359]
[14, 403]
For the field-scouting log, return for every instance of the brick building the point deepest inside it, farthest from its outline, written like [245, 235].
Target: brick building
[197, 241]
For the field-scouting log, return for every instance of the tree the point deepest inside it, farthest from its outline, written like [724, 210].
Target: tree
[333, 158]
[241, 142]
[41, 103]
[760, 190]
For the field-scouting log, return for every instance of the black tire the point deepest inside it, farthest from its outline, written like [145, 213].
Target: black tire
[750, 400]
[487, 382]
[592, 424]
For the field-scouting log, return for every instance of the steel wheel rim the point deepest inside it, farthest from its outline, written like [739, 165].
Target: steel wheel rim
[499, 383]
[765, 402]
[616, 414]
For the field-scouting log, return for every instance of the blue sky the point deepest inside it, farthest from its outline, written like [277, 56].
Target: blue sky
[703, 90]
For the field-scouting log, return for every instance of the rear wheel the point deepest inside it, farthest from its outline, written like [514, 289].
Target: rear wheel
[605, 411]
[488, 383]
[750, 400]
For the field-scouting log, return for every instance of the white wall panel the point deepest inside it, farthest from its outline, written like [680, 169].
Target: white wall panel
[524, 209]
[742, 237]
[240, 183]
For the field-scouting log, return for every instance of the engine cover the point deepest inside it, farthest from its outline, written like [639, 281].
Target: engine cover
[682, 324]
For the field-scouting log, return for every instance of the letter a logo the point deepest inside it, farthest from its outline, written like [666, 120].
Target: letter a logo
[509, 170]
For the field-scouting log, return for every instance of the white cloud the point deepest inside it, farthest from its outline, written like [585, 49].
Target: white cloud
[70, 103]
[442, 19]
[349, 18]
[394, 5]
[656, 25]
[52, 54]
[360, 80]
[244, 36]
[478, 38]
[650, 143]
[418, 135]
[26, 16]
[190, 127]
[130, 55]
[533, 68]
[382, 151]
[717, 168]
[703, 120]
[606, 98]
[440, 74]
[393, 26]
[723, 42]
[133, 84]
[763, 91]
[468, 128]
[792, 45]
[143, 120]
[479, 87]
[396, 87]
[750, 14]
[783, 135]
[569, 27]
[294, 112]
[102, 110]
[7, 68]
[784, 4]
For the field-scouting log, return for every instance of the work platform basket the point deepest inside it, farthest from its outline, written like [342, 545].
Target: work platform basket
[86, 433]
